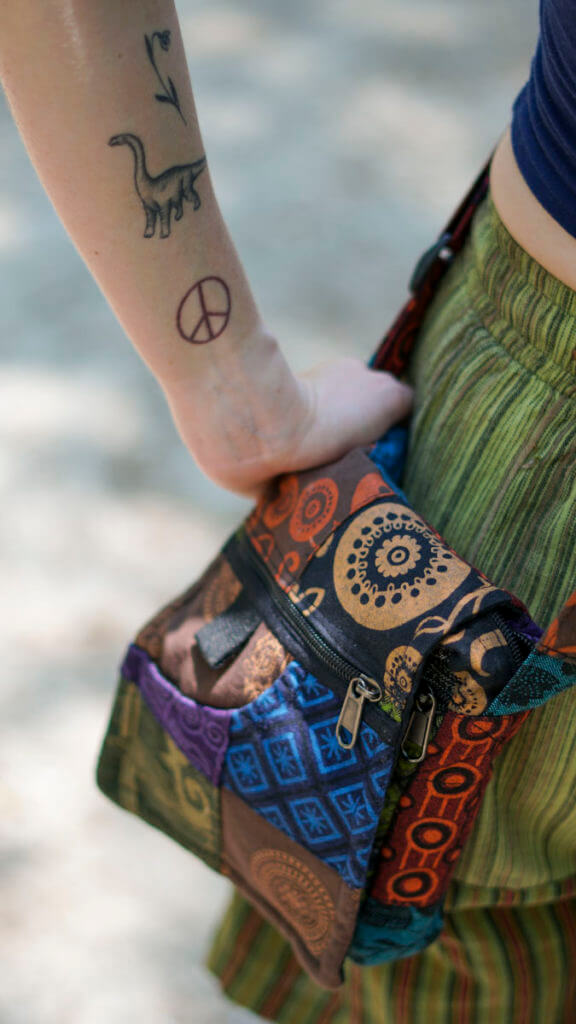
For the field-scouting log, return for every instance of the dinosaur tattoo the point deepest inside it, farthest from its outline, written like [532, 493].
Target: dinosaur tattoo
[162, 193]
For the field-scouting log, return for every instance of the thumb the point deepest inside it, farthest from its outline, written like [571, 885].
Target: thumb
[385, 401]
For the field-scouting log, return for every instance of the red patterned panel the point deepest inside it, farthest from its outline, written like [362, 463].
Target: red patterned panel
[315, 509]
[436, 813]
[299, 511]
[281, 504]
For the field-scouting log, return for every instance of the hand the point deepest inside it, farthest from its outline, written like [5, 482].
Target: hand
[282, 423]
[349, 405]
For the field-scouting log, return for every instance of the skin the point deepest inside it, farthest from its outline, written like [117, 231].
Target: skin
[76, 75]
[240, 410]
[527, 221]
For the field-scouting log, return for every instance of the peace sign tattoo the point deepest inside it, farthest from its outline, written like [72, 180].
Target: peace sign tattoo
[204, 312]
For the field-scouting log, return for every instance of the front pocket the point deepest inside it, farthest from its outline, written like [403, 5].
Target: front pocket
[281, 756]
[285, 761]
[297, 813]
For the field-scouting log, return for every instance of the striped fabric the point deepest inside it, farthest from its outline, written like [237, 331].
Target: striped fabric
[492, 464]
[497, 965]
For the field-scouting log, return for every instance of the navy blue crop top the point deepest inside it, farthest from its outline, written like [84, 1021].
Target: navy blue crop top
[544, 119]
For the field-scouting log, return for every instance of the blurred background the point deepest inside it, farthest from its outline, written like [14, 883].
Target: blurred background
[340, 134]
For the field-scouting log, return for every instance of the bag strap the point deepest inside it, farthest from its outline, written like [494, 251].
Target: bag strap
[394, 352]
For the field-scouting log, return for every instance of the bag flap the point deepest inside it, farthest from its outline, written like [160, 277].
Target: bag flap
[373, 579]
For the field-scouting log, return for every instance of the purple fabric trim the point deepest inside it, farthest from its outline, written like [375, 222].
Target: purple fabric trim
[530, 630]
[522, 623]
[201, 732]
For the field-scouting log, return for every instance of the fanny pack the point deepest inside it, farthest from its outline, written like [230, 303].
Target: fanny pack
[317, 716]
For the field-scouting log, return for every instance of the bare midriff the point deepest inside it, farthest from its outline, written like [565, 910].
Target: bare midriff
[526, 220]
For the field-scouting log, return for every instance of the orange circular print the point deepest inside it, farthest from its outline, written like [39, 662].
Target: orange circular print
[369, 487]
[390, 568]
[412, 886]
[478, 731]
[277, 510]
[455, 780]
[301, 897]
[432, 834]
[316, 507]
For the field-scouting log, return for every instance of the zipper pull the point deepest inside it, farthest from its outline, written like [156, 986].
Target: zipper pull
[360, 689]
[420, 726]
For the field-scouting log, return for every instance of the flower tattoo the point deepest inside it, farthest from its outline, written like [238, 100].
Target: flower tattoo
[169, 93]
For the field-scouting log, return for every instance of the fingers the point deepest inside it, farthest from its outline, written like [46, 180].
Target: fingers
[350, 405]
[360, 404]
[386, 401]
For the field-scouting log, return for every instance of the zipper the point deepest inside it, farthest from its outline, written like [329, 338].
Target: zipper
[360, 689]
[360, 686]
[419, 727]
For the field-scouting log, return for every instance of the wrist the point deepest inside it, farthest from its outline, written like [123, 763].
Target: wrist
[243, 413]
[228, 372]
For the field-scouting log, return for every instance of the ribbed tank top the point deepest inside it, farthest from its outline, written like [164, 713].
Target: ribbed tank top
[544, 115]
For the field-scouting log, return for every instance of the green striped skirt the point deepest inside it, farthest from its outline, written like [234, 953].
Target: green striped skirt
[492, 464]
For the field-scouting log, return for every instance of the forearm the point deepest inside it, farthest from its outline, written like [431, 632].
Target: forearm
[124, 170]
[102, 97]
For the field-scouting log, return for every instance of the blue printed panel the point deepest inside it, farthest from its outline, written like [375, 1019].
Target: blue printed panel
[245, 768]
[354, 809]
[313, 821]
[330, 756]
[295, 774]
[284, 759]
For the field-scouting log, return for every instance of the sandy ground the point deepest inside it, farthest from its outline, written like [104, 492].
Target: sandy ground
[340, 134]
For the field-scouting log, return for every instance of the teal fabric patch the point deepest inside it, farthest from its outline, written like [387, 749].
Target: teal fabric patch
[389, 454]
[389, 933]
[538, 679]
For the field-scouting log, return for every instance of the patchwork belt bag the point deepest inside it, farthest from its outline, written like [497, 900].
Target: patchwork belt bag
[317, 716]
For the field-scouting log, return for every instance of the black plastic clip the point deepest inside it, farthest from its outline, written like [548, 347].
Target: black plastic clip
[439, 251]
